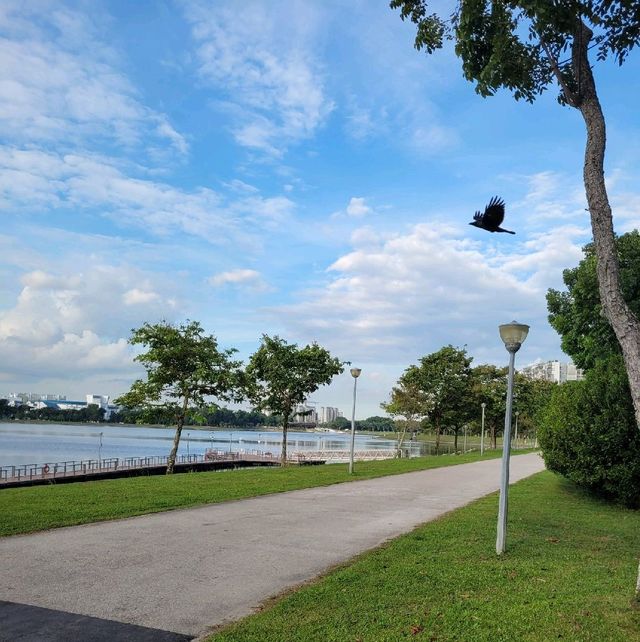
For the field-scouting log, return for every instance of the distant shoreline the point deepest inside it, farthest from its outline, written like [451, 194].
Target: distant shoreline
[107, 423]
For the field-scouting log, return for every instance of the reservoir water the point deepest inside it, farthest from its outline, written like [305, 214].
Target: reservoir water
[49, 442]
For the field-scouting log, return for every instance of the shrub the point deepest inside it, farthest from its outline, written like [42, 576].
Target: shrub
[589, 433]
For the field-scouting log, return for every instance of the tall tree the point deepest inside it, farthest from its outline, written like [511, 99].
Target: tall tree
[520, 45]
[281, 376]
[184, 367]
[442, 380]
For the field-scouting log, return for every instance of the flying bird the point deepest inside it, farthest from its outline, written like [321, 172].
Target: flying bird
[492, 217]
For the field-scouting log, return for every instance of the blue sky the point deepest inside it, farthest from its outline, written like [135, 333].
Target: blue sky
[276, 167]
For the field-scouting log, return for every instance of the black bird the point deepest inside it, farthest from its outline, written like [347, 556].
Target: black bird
[492, 217]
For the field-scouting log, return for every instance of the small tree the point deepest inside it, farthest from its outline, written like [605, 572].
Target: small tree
[407, 401]
[184, 366]
[281, 376]
[489, 385]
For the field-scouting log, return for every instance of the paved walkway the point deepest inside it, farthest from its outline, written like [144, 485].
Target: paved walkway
[180, 572]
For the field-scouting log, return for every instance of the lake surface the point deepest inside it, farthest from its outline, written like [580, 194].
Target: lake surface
[49, 442]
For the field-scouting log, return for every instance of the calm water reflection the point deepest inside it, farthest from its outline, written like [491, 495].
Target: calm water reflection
[40, 443]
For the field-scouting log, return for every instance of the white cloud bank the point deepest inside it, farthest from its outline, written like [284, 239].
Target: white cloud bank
[76, 325]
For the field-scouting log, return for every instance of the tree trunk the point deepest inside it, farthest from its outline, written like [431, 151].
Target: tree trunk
[401, 439]
[171, 462]
[624, 323]
[437, 437]
[283, 453]
[494, 438]
[455, 441]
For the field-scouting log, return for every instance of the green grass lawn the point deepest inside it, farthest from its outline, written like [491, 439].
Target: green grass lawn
[569, 574]
[24, 510]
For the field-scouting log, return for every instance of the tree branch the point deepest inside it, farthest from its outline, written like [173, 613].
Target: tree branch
[572, 98]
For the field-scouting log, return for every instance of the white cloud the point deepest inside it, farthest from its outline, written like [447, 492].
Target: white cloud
[136, 296]
[265, 63]
[245, 278]
[357, 207]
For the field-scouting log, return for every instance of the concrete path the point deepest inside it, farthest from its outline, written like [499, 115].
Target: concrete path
[186, 570]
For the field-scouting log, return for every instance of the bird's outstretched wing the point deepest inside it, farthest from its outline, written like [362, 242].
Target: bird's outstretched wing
[477, 217]
[494, 212]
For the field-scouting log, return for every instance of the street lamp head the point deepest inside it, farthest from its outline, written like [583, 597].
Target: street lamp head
[483, 405]
[513, 335]
[355, 372]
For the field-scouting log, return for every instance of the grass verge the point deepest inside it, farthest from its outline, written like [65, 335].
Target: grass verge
[25, 510]
[568, 574]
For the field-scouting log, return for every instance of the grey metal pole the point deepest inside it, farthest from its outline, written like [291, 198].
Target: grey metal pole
[484, 405]
[100, 452]
[353, 426]
[506, 452]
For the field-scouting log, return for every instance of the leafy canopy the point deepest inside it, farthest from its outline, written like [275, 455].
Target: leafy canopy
[443, 381]
[576, 314]
[519, 45]
[183, 366]
[281, 375]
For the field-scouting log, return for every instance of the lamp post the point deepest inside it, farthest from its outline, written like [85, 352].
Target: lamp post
[100, 452]
[188, 442]
[483, 406]
[355, 373]
[515, 436]
[513, 335]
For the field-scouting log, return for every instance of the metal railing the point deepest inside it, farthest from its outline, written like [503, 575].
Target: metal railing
[343, 455]
[84, 467]
[74, 468]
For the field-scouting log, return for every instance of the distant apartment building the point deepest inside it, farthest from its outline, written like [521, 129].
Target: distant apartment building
[556, 371]
[327, 414]
[304, 414]
[307, 413]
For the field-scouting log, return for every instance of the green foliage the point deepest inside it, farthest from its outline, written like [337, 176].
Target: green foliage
[91, 413]
[182, 364]
[437, 389]
[489, 386]
[376, 424]
[339, 423]
[589, 433]
[407, 400]
[280, 376]
[576, 314]
[518, 45]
